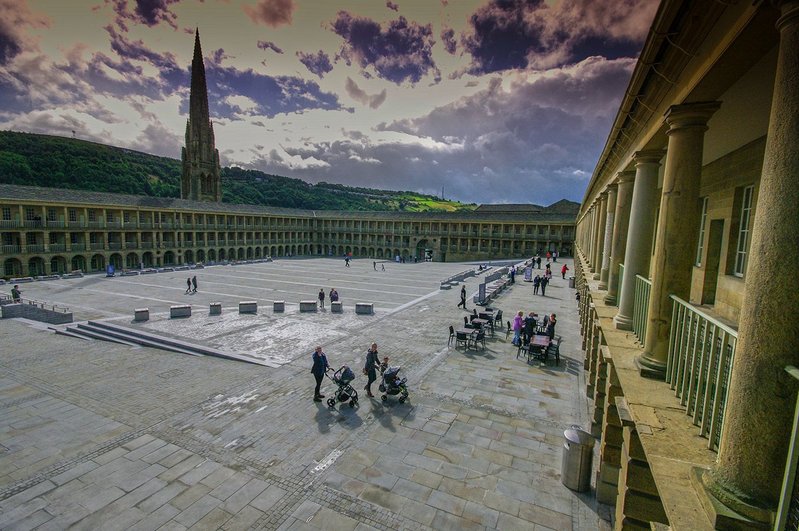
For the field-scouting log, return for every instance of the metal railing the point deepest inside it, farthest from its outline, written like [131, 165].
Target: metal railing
[701, 353]
[641, 306]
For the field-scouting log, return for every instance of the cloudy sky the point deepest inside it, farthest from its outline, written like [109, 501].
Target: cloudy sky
[493, 100]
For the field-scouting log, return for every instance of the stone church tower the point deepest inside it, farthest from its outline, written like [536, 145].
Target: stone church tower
[200, 180]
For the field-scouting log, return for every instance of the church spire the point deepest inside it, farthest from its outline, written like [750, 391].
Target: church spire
[200, 180]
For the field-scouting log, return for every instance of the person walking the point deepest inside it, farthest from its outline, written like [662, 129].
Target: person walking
[551, 326]
[563, 271]
[370, 368]
[194, 284]
[318, 370]
[463, 297]
[536, 284]
[528, 329]
[544, 282]
[188, 285]
[322, 298]
[512, 274]
[538, 260]
[554, 256]
[382, 267]
[517, 327]
[333, 295]
[16, 294]
[374, 264]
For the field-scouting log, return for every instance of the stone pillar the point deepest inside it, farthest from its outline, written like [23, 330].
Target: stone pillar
[639, 236]
[761, 398]
[678, 228]
[599, 234]
[607, 230]
[621, 222]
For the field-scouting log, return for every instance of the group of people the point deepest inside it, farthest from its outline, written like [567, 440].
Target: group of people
[191, 284]
[333, 295]
[371, 366]
[524, 328]
[382, 266]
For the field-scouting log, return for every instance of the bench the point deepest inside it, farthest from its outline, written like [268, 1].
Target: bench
[20, 280]
[308, 306]
[248, 307]
[336, 307]
[48, 277]
[129, 273]
[141, 314]
[279, 306]
[445, 286]
[364, 308]
[184, 310]
[215, 308]
[149, 271]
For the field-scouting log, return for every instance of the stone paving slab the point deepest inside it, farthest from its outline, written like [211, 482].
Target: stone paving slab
[108, 436]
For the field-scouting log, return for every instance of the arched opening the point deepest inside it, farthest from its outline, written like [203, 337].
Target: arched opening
[12, 267]
[231, 254]
[273, 251]
[36, 266]
[258, 253]
[98, 262]
[147, 259]
[280, 250]
[242, 253]
[169, 258]
[115, 260]
[200, 256]
[188, 256]
[380, 253]
[221, 255]
[132, 261]
[58, 265]
[78, 263]
[249, 253]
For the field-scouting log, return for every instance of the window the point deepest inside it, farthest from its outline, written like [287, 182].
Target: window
[92, 215]
[6, 213]
[743, 232]
[73, 238]
[73, 215]
[700, 246]
[30, 215]
[51, 214]
[30, 238]
[126, 217]
[109, 216]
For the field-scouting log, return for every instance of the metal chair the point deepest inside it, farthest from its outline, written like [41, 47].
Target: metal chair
[461, 338]
[498, 318]
[478, 337]
[451, 335]
[507, 331]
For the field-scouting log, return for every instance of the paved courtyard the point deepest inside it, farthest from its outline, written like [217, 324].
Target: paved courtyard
[95, 435]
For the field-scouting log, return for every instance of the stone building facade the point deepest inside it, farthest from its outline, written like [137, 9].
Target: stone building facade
[49, 230]
[687, 266]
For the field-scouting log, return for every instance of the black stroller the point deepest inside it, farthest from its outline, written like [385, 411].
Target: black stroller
[392, 384]
[344, 392]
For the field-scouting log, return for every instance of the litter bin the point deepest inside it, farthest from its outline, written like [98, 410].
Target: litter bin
[578, 453]
[571, 282]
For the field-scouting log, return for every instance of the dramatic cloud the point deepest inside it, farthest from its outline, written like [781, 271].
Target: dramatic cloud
[268, 45]
[511, 34]
[147, 12]
[271, 13]
[15, 18]
[399, 52]
[361, 96]
[316, 63]
[391, 5]
[448, 38]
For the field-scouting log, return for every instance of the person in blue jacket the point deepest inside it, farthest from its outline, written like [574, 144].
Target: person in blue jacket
[318, 370]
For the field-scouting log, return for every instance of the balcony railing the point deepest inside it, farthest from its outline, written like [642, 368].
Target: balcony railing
[701, 352]
[56, 248]
[641, 306]
[10, 249]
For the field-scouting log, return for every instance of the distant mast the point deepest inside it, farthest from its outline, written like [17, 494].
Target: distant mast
[200, 180]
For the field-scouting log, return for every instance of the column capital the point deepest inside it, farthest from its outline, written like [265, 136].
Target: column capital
[625, 176]
[648, 156]
[690, 115]
[790, 13]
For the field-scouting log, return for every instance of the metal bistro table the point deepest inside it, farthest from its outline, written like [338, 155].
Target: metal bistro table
[483, 323]
[538, 344]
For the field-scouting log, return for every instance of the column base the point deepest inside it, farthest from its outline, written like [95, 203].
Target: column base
[596, 276]
[603, 286]
[610, 300]
[724, 509]
[622, 322]
[650, 368]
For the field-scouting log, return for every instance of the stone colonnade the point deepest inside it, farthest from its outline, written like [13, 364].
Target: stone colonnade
[747, 476]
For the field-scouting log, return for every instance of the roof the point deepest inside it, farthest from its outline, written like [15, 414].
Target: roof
[66, 196]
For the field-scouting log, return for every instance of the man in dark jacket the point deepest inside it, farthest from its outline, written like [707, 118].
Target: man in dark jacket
[370, 368]
[318, 370]
[463, 297]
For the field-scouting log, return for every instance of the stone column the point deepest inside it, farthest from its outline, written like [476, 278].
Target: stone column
[599, 234]
[607, 230]
[678, 228]
[624, 196]
[639, 237]
[761, 398]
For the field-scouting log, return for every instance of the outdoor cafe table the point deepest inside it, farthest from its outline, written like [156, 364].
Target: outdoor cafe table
[537, 344]
[482, 323]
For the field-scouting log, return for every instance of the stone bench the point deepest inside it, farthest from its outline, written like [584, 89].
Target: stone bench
[445, 286]
[74, 274]
[129, 273]
[182, 268]
[308, 306]
[149, 271]
[215, 308]
[20, 280]
[166, 270]
[364, 308]
[336, 307]
[183, 310]
[248, 307]
[279, 306]
[141, 314]
[48, 277]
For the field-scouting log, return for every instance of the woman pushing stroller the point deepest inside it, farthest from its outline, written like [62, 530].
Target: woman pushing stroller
[370, 368]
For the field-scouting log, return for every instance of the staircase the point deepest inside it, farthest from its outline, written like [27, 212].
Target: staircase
[115, 333]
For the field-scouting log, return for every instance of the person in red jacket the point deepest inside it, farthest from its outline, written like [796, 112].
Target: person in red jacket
[563, 270]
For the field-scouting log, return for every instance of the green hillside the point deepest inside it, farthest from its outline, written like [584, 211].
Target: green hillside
[57, 162]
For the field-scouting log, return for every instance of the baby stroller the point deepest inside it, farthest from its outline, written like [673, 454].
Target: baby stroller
[344, 392]
[393, 384]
